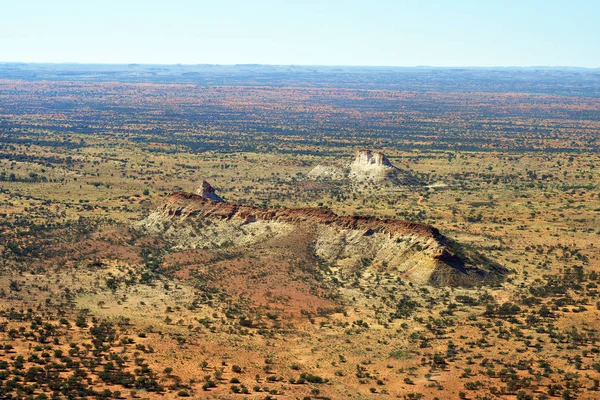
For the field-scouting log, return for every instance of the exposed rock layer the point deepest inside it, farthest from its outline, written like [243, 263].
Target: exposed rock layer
[417, 252]
[374, 158]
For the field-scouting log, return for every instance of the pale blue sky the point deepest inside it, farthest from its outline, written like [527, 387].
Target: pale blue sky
[335, 32]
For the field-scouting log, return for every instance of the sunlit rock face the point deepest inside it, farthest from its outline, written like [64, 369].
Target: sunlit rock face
[371, 166]
[368, 158]
[208, 192]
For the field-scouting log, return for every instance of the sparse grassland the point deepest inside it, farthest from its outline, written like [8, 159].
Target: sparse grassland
[92, 308]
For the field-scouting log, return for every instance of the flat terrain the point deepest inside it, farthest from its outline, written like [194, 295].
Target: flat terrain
[92, 307]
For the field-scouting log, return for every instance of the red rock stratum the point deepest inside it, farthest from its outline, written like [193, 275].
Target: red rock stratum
[346, 244]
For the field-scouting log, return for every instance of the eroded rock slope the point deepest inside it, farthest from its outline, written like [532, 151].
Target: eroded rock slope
[348, 245]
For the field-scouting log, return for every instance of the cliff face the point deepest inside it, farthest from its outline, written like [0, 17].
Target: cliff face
[372, 166]
[419, 253]
[367, 158]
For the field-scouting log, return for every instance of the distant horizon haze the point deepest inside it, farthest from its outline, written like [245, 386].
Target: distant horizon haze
[176, 64]
[435, 33]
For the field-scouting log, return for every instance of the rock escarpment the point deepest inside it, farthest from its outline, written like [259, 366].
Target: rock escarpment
[367, 166]
[371, 158]
[346, 244]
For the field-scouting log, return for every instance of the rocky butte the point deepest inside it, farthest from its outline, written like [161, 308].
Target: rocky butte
[371, 165]
[367, 166]
[348, 245]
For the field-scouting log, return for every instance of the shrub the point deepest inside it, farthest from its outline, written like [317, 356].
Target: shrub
[236, 368]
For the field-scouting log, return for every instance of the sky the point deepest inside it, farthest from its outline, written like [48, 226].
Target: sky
[307, 32]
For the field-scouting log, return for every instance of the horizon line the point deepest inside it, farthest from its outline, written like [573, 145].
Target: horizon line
[129, 64]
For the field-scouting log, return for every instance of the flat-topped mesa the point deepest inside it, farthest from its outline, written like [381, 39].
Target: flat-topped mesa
[206, 191]
[368, 158]
[417, 252]
[373, 166]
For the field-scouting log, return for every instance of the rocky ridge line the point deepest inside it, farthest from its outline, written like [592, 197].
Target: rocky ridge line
[417, 252]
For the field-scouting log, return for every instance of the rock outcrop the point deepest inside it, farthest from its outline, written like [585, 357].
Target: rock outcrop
[371, 166]
[206, 191]
[371, 158]
[368, 166]
[347, 244]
